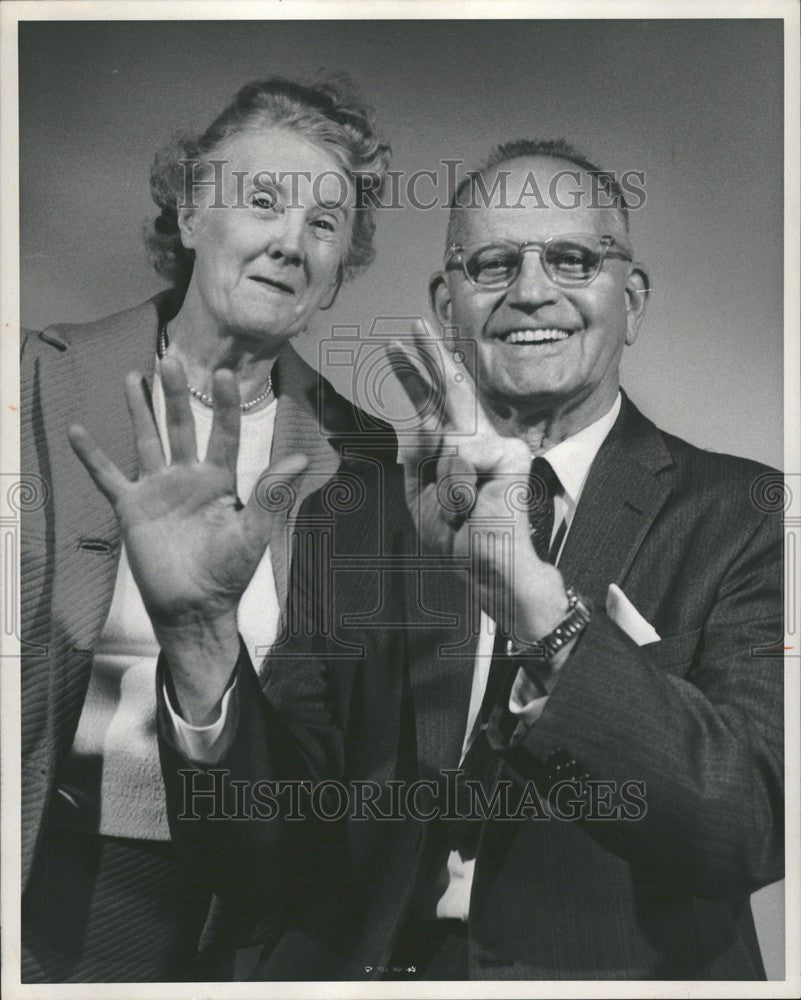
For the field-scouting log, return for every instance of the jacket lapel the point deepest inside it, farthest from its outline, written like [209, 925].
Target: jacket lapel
[621, 498]
[301, 394]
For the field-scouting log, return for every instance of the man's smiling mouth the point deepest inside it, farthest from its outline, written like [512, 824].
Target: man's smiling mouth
[546, 335]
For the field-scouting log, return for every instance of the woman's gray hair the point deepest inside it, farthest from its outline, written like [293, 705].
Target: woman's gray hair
[328, 113]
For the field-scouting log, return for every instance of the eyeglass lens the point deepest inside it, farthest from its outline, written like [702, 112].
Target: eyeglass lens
[573, 260]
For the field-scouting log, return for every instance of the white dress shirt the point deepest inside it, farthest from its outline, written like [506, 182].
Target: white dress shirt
[571, 460]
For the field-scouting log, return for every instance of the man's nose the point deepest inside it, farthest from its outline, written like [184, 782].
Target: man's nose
[533, 287]
[286, 238]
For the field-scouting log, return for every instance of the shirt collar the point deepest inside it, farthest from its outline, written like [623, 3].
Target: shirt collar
[571, 459]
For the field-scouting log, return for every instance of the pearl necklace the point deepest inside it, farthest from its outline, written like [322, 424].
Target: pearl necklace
[161, 349]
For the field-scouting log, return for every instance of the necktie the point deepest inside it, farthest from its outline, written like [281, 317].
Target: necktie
[544, 485]
[481, 763]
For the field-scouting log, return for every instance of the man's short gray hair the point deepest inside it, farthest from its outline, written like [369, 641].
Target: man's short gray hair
[556, 149]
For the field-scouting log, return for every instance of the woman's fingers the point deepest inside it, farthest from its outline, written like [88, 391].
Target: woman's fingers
[105, 474]
[146, 436]
[180, 422]
[223, 446]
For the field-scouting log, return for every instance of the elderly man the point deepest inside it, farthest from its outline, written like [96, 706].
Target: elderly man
[572, 617]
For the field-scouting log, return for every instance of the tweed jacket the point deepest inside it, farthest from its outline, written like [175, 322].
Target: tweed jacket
[71, 544]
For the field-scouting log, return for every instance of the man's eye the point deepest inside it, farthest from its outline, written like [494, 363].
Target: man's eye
[491, 262]
[325, 224]
[571, 259]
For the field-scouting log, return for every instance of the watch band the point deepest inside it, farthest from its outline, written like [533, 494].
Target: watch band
[579, 613]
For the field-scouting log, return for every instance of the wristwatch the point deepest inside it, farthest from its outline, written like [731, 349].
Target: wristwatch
[579, 613]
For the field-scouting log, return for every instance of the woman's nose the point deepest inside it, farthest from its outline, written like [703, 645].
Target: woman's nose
[287, 238]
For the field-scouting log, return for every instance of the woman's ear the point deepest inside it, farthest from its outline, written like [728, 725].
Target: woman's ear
[187, 224]
[638, 287]
[440, 298]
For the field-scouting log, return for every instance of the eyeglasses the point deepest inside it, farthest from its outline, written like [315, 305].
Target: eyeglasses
[569, 261]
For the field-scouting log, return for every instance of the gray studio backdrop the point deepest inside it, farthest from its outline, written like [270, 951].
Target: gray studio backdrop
[695, 105]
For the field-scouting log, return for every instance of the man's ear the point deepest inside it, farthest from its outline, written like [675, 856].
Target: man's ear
[188, 219]
[638, 287]
[440, 297]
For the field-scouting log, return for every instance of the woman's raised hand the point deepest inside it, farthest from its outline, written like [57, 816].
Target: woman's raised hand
[193, 548]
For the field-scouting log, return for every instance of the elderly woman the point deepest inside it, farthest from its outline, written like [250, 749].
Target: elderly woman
[259, 225]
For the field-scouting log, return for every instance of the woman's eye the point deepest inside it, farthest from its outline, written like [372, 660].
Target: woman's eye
[264, 199]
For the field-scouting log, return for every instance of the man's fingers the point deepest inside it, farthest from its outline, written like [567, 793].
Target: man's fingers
[105, 474]
[463, 411]
[180, 423]
[274, 494]
[448, 388]
[425, 350]
[420, 441]
[146, 436]
[223, 446]
[414, 376]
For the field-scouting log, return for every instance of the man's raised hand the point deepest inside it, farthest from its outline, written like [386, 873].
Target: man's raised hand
[467, 488]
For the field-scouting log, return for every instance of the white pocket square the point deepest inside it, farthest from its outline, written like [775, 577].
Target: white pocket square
[626, 616]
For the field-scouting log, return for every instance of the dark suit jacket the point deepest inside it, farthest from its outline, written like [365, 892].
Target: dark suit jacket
[377, 685]
[71, 545]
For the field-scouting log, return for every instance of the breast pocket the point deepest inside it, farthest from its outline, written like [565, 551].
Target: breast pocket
[675, 653]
